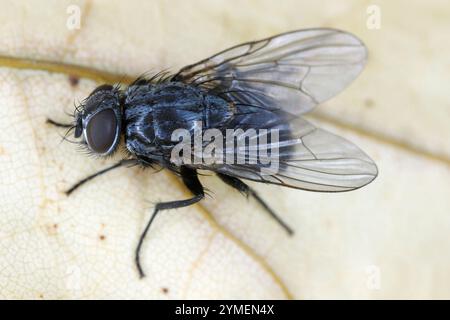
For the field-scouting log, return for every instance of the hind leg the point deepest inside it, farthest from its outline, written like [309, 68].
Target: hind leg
[247, 191]
[191, 181]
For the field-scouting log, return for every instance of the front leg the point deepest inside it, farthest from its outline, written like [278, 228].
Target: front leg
[121, 163]
[59, 124]
[191, 181]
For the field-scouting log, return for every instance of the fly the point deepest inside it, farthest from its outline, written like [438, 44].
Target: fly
[262, 86]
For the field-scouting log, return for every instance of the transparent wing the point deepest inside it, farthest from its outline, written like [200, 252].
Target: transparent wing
[294, 71]
[309, 158]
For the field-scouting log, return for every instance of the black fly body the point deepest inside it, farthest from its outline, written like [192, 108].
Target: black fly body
[260, 87]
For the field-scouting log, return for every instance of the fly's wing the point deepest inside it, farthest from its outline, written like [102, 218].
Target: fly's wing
[307, 158]
[271, 82]
[293, 71]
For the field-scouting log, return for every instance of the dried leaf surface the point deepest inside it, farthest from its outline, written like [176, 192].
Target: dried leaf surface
[387, 240]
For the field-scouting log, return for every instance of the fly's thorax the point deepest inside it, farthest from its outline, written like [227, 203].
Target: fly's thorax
[154, 111]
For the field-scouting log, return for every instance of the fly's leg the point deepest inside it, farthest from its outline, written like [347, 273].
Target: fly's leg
[99, 173]
[58, 124]
[247, 191]
[191, 181]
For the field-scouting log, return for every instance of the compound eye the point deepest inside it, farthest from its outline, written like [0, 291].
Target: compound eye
[101, 131]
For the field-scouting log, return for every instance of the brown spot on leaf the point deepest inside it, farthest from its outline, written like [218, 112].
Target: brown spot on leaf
[102, 228]
[165, 290]
[52, 229]
[369, 103]
[329, 224]
[74, 80]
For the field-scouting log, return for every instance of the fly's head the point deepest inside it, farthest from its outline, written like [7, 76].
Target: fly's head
[98, 120]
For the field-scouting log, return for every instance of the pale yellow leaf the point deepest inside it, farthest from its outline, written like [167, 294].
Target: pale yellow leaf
[387, 240]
